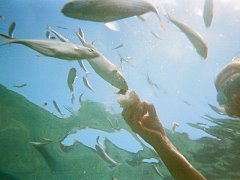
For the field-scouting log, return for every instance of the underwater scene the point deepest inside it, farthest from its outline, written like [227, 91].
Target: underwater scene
[119, 89]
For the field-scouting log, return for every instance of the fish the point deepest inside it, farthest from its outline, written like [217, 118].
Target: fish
[156, 35]
[37, 144]
[151, 83]
[20, 85]
[102, 153]
[87, 84]
[208, 12]
[61, 27]
[59, 36]
[57, 107]
[105, 68]
[80, 62]
[70, 80]
[80, 98]
[56, 49]
[119, 46]
[157, 171]
[45, 104]
[46, 139]
[47, 34]
[108, 10]
[11, 29]
[195, 38]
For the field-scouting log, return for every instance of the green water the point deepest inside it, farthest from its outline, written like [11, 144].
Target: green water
[22, 122]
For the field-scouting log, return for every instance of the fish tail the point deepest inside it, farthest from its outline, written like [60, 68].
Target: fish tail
[160, 19]
[7, 39]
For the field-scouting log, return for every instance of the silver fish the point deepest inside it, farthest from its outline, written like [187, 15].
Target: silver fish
[70, 80]
[119, 46]
[20, 85]
[80, 98]
[56, 49]
[104, 68]
[11, 29]
[157, 171]
[208, 12]
[102, 153]
[47, 34]
[195, 38]
[56, 107]
[80, 62]
[87, 84]
[37, 144]
[108, 10]
[59, 36]
[46, 139]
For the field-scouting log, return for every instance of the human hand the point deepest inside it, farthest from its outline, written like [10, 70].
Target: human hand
[141, 117]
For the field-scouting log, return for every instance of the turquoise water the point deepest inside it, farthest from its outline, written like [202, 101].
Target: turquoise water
[163, 67]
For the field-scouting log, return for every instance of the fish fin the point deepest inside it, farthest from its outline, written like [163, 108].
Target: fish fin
[7, 39]
[113, 26]
[160, 19]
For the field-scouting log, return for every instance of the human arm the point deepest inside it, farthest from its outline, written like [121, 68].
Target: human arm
[143, 120]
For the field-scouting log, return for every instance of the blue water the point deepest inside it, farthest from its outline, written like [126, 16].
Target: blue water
[185, 80]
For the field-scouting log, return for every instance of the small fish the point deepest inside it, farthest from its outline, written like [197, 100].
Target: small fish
[45, 104]
[80, 98]
[59, 36]
[208, 12]
[80, 62]
[20, 85]
[56, 49]
[102, 153]
[70, 80]
[119, 46]
[174, 126]
[61, 27]
[46, 139]
[195, 38]
[11, 29]
[47, 34]
[87, 84]
[157, 171]
[156, 35]
[150, 82]
[37, 144]
[108, 10]
[57, 107]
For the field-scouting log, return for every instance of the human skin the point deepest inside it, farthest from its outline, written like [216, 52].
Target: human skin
[143, 119]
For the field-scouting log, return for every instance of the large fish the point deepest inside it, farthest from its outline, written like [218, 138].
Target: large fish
[208, 12]
[108, 10]
[104, 68]
[54, 48]
[195, 38]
